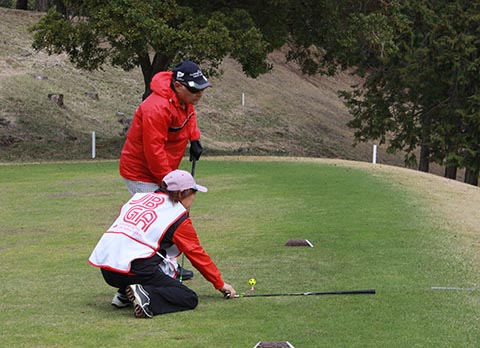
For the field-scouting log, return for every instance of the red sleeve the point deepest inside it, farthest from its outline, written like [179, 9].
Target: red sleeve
[155, 125]
[195, 134]
[186, 239]
[194, 131]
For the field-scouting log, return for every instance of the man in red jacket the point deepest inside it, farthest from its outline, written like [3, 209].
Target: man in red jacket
[162, 127]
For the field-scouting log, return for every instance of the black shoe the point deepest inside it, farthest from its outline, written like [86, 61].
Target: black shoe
[184, 274]
[140, 299]
[120, 300]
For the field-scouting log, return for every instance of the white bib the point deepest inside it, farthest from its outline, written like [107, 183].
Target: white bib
[137, 232]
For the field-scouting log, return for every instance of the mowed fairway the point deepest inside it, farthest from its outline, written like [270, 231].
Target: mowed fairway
[367, 230]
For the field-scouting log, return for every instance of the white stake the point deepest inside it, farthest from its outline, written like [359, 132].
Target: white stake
[93, 145]
[243, 99]
[374, 159]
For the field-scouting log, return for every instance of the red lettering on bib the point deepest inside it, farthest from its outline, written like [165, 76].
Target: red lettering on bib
[138, 216]
[149, 201]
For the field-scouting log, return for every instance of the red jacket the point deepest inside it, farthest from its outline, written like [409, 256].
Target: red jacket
[159, 134]
[186, 240]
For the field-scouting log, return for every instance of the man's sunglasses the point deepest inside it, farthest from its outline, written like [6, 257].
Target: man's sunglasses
[192, 89]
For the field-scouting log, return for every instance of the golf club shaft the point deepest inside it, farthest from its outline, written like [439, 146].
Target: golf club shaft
[194, 163]
[452, 288]
[337, 292]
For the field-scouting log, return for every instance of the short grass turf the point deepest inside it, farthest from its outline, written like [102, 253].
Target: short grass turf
[366, 234]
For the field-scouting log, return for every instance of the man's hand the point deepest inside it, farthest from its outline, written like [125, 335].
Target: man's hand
[196, 150]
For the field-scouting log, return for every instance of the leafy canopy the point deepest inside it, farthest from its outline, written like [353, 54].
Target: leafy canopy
[153, 34]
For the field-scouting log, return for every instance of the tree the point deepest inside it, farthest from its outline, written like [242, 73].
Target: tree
[153, 35]
[420, 63]
[419, 58]
[401, 94]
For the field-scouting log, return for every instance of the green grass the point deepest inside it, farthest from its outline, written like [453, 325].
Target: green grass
[367, 233]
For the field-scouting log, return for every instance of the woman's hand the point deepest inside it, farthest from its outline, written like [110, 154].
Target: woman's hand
[228, 291]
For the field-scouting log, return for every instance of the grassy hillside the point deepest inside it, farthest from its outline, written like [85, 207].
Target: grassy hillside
[285, 113]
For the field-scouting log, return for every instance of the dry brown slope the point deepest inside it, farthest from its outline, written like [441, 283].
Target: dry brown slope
[285, 113]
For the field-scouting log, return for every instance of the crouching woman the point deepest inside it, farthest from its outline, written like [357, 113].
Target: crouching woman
[138, 253]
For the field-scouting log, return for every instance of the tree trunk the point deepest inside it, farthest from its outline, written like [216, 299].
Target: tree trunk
[471, 177]
[60, 6]
[451, 172]
[22, 5]
[41, 5]
[146, 66]
[160, 63]
[473, 170]
[424, 163]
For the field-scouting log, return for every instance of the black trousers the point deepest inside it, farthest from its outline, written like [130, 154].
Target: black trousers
[167, 294]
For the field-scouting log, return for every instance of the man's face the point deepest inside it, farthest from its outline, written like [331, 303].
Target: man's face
[187, 95]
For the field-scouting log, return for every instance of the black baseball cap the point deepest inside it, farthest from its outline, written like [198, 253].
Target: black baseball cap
[189, 74]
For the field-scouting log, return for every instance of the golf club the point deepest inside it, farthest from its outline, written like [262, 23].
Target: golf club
[194, 161]
[312, 293]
